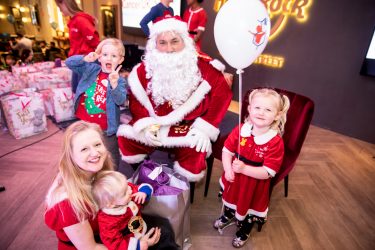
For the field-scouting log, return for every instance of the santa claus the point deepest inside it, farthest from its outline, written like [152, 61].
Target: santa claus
[177, 100]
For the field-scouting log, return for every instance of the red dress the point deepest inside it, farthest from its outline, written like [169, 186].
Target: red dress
[196, 20]
[121, 228]
[247, 195]
[62, 215]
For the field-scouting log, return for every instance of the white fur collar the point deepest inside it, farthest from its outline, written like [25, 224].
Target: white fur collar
[122, 210]
[246, 130]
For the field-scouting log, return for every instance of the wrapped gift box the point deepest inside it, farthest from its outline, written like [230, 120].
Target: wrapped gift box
[63, 72]
[23, 70]
[44, 66]
[47, 95]
[24, 113]
[62, 99]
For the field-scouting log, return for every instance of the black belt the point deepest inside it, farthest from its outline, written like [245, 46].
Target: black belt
[248, 162]
[193, 32]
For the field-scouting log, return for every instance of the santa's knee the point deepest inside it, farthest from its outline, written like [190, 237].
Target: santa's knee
[193, 172]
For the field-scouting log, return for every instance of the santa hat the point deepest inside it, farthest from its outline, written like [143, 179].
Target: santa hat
[169, 23]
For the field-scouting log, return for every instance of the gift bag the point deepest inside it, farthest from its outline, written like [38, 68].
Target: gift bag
[62, 99]
[170, 200]
[24, 114]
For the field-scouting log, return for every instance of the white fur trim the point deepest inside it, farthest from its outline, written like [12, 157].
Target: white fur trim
[201, 28]
[168, 24]
[133, 243]
[138, 90]
[131, 159]
[246, 130]
[270, 171]
[250, 211]
[218, 65]
[211, 131]
[144, 123]
[266, 137]
[189, 175]
[176, 115]
[115, 211]
[122, 210]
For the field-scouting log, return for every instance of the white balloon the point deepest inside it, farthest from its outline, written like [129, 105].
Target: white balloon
[241, 31]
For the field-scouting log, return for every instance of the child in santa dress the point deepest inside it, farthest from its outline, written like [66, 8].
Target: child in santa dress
[121, 224]
[101, 90]
[250, 162]
[196, 18]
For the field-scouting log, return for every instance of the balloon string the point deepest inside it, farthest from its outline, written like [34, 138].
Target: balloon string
[239, 72]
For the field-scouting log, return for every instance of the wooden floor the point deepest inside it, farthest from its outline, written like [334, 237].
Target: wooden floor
[331, 203]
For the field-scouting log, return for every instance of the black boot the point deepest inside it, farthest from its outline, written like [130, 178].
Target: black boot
[260, 221]
[243, 233]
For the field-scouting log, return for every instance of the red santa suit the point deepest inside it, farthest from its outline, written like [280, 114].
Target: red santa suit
[122, 227]
[203, 110]
[196, 20]
[247, 195]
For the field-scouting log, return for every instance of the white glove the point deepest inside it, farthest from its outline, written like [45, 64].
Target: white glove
[200, 141]
[152, 137]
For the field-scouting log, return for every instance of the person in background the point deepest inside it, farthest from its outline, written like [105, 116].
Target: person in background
[22, 43]
[159, 10]
[9, 61]
[196, 18]
[121, 224]
[52, 52]
[177, 100]
[25, 58]
[250, 162]
[101, 90]
[83, 36]
[70, 206]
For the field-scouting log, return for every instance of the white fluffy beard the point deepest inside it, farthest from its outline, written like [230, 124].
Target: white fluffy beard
[174, 76]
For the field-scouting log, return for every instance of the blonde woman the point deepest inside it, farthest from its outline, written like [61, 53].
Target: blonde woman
[71, 209]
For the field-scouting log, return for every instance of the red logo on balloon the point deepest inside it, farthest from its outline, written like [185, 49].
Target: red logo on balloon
[260, 31]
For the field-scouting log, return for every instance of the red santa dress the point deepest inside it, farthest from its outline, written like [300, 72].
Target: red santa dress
[196, 20]
[203, 110]
[83, 36]
[121, 228]
[61, 215]
[247, 195]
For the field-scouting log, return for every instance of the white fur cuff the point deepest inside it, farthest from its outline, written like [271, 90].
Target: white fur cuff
[211, 131]
[189, 175]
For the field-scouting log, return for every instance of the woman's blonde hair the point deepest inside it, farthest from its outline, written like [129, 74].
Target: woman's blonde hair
[108, 186]
[282, 102]
[71, 6]
[74, 180]
[112, 41]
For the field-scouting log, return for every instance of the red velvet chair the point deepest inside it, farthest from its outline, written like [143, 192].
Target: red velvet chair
[299, 117]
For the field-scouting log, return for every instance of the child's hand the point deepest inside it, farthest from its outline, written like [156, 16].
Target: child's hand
[114, 76]
[238, 166]
[229, 175]
[91, 57]
[147, 241]
[139, 197]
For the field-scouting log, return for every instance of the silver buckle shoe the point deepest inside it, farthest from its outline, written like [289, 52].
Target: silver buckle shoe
[223, 222]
